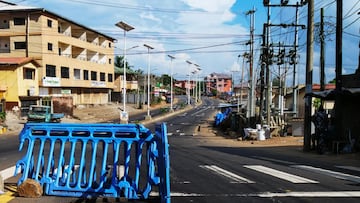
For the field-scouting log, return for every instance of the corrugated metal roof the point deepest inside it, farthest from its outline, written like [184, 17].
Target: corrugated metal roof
[16, 61]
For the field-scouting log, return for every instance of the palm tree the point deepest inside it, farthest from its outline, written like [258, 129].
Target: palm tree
[119, 62]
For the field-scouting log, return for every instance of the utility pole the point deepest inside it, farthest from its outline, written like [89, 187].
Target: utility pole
[251, 77]
[269, 52]
[245, 55]
[264, 56]
[322, 51]
[295, 90]
[267, 71]
[309, 72]
[281, 61]
[338, 68]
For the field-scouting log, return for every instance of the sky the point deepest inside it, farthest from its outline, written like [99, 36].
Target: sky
[211, 33]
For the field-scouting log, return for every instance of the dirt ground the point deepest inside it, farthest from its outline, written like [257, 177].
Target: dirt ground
[111, 111]
[207, 130]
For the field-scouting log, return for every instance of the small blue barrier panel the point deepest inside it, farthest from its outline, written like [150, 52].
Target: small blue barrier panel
[90, 160]
[221, 116]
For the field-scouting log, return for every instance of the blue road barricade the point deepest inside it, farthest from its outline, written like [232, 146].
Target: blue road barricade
[221, 116]
[90, 160]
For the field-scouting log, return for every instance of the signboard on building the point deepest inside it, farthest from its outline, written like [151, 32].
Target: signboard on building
[65, 92]
[51, 82]
[98, 84]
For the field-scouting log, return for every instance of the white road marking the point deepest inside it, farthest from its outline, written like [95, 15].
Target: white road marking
[312, 194]
[280, 174]
[198, 112]
[222, 172]
[342, 176]
[170, 134]
[343, 194]
[66, 168]
[275, 160]
[353, 168]
[120, 171]
[8, 173]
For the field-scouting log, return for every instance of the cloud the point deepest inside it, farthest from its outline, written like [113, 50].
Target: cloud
[150, 16]
[210, 5]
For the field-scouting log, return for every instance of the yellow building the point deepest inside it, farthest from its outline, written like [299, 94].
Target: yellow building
[74, 60]
[18, 78]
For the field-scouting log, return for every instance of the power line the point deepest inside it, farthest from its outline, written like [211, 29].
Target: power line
[141, 8]
[348, 13]
[348, 25]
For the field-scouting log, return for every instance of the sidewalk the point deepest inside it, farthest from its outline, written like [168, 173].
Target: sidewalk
[288, 145]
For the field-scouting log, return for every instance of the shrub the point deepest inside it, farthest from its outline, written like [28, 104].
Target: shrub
[2, 116]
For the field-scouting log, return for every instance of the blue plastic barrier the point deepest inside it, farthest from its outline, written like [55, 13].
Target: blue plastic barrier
[221, 116]
[89, 160]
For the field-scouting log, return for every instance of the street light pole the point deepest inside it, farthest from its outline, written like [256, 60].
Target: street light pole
[171, 83]
[124, 117]
[198, 69]
[188, 86]
[148, 83]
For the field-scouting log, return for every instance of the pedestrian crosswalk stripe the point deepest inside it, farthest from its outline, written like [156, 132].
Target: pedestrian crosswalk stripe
[301, 194]
[353, 168]
[280, 174]
[342, 176]
[222, 172]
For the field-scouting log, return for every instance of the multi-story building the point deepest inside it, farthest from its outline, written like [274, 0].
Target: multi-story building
[71, 59]
[218, 83]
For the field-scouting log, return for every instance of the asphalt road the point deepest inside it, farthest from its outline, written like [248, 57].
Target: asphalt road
[207, 168]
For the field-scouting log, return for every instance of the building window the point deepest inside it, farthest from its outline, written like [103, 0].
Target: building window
[93, 75]
[29, 74]
[109, 45]
[77, 74]
[50, 70]
[49, 23]
[50, 46]
[64, 72]
[20, 45]
[86, 75]
[59, 51]
[109, 61]
[19, 21]
[102, 76]
[110, 77]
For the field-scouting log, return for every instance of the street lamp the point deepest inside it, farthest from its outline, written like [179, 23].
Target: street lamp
[148, 83]
[198, 69]
[188, 86]
[171, 83]
[124, 117]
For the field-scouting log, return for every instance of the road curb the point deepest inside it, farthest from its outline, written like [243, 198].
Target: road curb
[2, 186]
[161, 117]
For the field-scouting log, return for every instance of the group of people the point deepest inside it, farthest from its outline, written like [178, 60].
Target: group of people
[323, 129]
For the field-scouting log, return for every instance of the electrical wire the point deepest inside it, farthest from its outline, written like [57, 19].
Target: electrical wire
[348, 25]
[347, 15]
[141, 8]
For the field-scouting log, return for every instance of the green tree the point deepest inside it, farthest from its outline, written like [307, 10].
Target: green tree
[119, 62]
[333, 81]
[165, 79]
